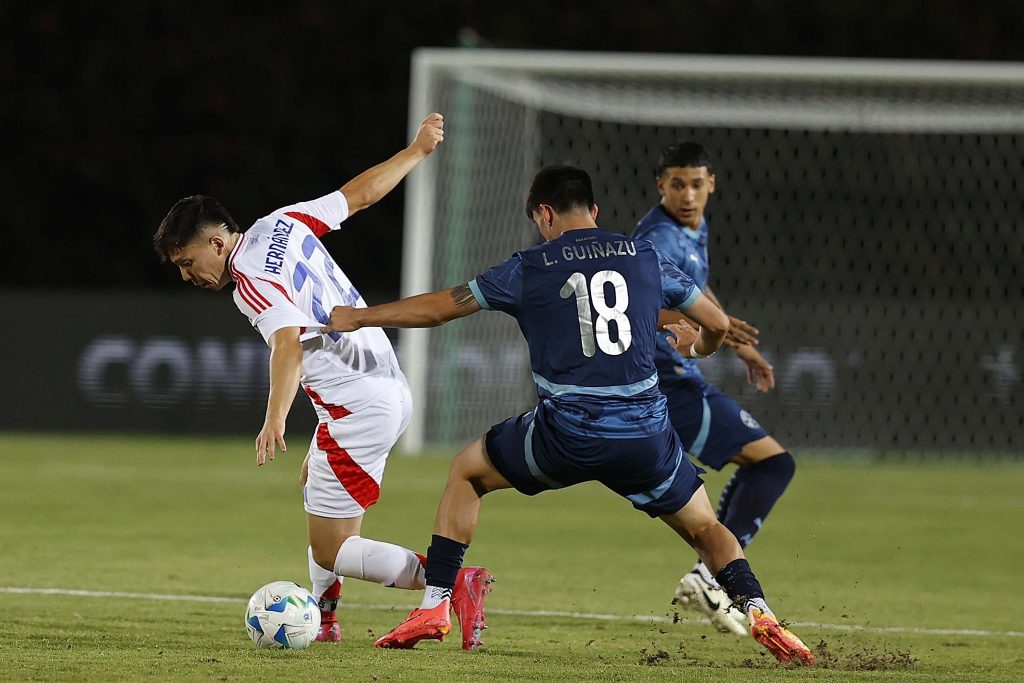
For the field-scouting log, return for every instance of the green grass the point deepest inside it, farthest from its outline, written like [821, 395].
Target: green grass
[916, 545]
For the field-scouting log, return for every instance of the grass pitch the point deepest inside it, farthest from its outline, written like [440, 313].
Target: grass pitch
[920, 554]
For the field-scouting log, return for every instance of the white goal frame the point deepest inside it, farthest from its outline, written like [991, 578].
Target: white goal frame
[506, 73]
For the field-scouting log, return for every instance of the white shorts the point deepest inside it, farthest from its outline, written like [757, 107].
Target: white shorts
[349, 451]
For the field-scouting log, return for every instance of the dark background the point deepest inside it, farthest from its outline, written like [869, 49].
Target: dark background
[112, 111]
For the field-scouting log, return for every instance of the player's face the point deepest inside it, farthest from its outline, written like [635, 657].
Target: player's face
[684, 193]
[203, 261]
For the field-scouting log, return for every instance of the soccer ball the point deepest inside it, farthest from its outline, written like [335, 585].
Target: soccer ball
[282, 615]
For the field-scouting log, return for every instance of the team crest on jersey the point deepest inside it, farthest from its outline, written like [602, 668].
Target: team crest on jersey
[748, 419]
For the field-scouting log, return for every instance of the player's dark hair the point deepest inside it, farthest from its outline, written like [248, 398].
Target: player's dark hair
[186, 219]
[683, 153]
[562, 187]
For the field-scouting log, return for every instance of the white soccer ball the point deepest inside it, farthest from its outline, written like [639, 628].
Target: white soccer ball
[282, 615]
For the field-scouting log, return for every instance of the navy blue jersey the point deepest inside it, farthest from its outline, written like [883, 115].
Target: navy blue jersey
[686, 249]
[587, 304]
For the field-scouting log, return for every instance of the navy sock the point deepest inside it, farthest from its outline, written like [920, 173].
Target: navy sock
[444, 560]
[751, 493]
[739, 582]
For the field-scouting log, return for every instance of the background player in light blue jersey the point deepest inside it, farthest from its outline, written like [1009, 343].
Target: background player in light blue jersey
[713, 427]
[587, 302]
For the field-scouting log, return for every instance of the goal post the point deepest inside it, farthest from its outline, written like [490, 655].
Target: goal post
[865, 208]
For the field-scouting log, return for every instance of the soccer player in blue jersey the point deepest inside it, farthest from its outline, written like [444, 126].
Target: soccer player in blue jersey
[587, 303]
[712, 426]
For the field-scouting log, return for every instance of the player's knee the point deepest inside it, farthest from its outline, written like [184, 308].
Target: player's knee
[781, 466]
[323, 556]
[325, 551]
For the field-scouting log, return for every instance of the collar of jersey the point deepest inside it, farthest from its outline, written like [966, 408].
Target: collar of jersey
[233, 252]
[689, 232]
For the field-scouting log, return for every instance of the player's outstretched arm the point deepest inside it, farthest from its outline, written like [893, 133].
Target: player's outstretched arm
[367, 188]
[714, 326]
[285, 371]
[423, 310]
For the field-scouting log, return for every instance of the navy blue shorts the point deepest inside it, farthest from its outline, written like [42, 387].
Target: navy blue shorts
[712, 426]
[651, 472]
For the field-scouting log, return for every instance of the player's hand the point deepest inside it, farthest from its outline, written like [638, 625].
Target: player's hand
[269, 438]
[430, 134]
[742, 332]
[682, 338]
[343, 319]
[760, 372]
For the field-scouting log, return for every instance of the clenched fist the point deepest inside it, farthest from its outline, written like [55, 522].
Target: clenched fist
[430, 134]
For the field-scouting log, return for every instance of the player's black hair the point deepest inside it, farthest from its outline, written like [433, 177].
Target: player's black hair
[560, 186]
[186, 219]
[683, 153]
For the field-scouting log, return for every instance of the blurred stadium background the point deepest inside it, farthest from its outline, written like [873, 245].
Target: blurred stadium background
[869, 224]
[868, 219]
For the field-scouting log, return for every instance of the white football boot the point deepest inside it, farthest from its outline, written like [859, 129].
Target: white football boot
[702, 594]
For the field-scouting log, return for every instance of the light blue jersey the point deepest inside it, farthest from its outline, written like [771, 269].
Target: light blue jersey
[687, 250]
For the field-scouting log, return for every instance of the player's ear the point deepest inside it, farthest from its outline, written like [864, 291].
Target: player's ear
[593, 212]
[218, 243]
[547, 214]
[711, 184]
[661, 185]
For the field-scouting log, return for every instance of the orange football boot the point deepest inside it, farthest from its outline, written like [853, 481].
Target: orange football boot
[421, 624]
[778, 639]
[471, 587]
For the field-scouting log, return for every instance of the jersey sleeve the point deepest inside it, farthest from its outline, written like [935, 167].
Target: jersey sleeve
[268, 305]
[500, 288]
[664, 238]
[320, 215]
[679, 291]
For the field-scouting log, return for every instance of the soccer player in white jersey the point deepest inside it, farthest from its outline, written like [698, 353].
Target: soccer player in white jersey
[286, 283]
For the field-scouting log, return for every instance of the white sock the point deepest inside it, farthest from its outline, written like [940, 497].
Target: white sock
[384, 563]
[759, 603]
[321, 578]
[706, 573]
[434, 596]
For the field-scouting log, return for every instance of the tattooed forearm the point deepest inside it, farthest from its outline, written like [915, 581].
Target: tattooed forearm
[461, 295]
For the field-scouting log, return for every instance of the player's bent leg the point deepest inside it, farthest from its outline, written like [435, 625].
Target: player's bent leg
[695, 522]
[471, 476]
[448, 584]
[698, 591]
[325, 537]
[362, 558]
[765, 470]
[326, 590]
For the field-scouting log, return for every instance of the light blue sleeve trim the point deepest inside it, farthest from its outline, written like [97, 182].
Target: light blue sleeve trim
[690, 300]
[478, 295]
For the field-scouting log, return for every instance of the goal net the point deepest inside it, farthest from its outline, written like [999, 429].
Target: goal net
[869, 219]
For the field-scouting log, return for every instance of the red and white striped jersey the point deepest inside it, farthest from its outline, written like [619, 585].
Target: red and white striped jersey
[284, 277]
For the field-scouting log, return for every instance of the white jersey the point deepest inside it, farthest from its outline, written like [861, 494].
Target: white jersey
[284, 277]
